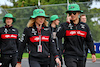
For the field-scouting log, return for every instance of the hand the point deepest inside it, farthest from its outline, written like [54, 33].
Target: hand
[93, 58]
[58, 62]
[68, 18]
[18, 65]
[0, 64]
[94, 47]
[48, 56]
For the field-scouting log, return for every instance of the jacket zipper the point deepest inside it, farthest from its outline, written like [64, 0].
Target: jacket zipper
[77, 38]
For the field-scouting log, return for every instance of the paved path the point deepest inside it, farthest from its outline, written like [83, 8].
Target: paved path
[88, 64]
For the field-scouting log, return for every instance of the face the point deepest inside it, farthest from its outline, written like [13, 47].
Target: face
[8, 21]
[83, 19]
[40, 20]
[74, 15]
[57, 21]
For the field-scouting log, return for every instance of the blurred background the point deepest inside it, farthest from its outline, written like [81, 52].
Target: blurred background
[23, 9]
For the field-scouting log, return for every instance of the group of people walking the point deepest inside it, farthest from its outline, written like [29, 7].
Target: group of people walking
[45, 42]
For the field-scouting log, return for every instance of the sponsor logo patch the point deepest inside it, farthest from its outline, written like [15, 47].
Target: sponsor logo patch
[9, 36]
[76, 32]
[36, 38]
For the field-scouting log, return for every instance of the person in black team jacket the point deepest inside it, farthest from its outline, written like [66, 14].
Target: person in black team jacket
[75, 33]
[40, 44]
[54, 22]
[9, 42]
[83, 19]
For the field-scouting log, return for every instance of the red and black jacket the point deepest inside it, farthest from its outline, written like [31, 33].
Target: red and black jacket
[31, 37]
[9, 40]
[74, 38]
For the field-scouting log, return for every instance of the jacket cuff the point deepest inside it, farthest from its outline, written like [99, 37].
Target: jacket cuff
[68, 22]
[93, 54]
[56, 56]
[19, 62]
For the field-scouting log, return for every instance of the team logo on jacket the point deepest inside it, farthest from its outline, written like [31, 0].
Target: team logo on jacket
[46, 28]
[58, 29]
[33, 31]
[72, 32]
[23, 35]
[70, 26]
[82, 26]
[9, 36]
[53, 41]
[76, 32]
[36, 38]
[5, 30]
[13, 29]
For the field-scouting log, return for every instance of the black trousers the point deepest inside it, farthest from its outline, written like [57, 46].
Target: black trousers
[38, 62]
[52, 61]
[86, 52]
[72, 62]
[7, 59]
[33, 63]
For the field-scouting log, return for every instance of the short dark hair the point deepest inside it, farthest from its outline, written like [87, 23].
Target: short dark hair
[82, 15]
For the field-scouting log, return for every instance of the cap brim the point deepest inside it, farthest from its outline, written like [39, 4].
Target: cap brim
[58, 18]
[74, 11]
[14, 19]
[55, 19]
[39, 16]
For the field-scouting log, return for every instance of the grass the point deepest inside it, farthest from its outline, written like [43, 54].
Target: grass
[25, 55]
[97, 55]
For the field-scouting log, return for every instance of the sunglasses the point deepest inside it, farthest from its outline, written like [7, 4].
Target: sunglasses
[70, 13]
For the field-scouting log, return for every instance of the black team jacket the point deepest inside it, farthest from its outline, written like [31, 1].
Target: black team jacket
[9, 40]
[74, 37]
[31, 37]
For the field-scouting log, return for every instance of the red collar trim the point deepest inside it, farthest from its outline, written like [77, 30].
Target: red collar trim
[68, 22]
[8, 26]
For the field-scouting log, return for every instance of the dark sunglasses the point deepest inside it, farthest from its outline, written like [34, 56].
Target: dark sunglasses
[70, 13]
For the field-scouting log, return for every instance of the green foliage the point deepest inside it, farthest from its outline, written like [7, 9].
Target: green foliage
[60, 11]
[25, 3]
[25, 55]
[94, 25]
[23, 14]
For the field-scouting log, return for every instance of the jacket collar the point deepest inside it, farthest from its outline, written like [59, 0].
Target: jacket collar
[8, 26]
[51, 26]
[75, 24]
[34, 26]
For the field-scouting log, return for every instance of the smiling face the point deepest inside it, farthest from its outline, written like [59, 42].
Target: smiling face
[40, 20]
[74, 15]
[83, 19]
[8, 21]
[57, 22]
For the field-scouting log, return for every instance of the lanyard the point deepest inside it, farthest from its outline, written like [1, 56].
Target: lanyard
[39, 48]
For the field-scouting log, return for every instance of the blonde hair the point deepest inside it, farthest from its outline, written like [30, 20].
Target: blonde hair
[32, 21]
